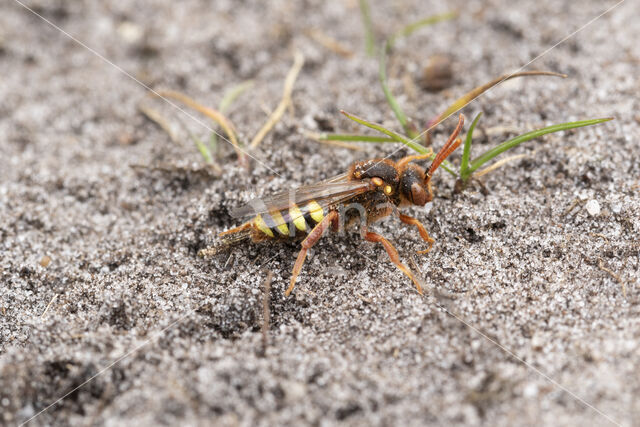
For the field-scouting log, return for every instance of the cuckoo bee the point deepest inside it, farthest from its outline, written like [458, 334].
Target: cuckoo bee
[369, 191]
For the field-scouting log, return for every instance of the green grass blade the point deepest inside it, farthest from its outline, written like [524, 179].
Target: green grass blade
[204, 150]
[369, 39]
[399, 138]
[354, 138]
[213, 144]
[229, 97]
[395, 136]
[507, 145]
[233, 93]
[466, 151]
[395, 107]
[414, 26]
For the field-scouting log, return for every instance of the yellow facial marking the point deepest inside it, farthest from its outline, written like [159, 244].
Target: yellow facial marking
[262, 226]
[315, 210]
[281, 225]
[388, 190]
[358, 174]
[377, 181]
[298, 219]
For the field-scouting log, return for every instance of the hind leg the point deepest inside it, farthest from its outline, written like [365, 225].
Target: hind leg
[238, 229]
[393, 255]
[423, 231]
[227, 239]
[307, 243]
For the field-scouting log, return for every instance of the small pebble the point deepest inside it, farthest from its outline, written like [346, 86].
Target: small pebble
[593, 207]
[45, 261]
[438, 74]
[130, 32]
[530, 391]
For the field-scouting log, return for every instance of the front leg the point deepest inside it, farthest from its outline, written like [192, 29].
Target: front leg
[423, 231]
[405, 160]
[308, 242]
[393, 255]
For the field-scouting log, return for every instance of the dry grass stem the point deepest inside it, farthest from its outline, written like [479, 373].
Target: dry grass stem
[214, 115]
[498, 164]
[266, 311]
[329, 42]
[48, 306]
[298, 62]
[157, 118]
[614, 275]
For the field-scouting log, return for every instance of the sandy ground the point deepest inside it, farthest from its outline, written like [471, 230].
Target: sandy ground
[525, 320]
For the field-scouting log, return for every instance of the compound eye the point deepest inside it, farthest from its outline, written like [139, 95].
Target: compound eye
[377, 181]
[388, 190]
[418, 194]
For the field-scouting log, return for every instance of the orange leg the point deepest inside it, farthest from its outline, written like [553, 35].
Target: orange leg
[423, 231]
[307, 243]
[403, 161]
[227, 239]
[237, 229]
[393, 254]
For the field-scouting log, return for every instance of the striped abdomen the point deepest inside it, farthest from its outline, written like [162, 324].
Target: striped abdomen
[286, 223]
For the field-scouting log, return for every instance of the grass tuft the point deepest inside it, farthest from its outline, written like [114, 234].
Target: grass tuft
[214, 115]
[467, 171]
[467, 167]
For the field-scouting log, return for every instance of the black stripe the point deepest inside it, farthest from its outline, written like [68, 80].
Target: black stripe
[270, 223]
[306, 213]
[307, 217]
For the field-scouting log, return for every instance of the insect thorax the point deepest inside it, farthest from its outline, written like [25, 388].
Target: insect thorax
[384, 169]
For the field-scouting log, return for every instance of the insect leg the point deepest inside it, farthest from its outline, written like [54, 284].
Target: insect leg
[228, 239]
[423, 231]
[393, 254]
[307, 243]
[403, 161]
[237, 229]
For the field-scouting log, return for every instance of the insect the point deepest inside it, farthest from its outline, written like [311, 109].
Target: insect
[370, 190]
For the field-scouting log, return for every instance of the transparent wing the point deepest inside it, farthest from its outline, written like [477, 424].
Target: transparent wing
[324, 193]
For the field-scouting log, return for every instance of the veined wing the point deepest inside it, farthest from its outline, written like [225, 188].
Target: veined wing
[324, 193]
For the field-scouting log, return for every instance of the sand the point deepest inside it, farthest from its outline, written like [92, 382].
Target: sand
[530, 314]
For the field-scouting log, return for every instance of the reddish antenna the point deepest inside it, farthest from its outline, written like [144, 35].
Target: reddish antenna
[447, 149]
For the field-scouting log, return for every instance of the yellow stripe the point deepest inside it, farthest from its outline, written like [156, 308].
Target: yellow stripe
[262, 226]
[297, 218]
[280, 224]
[315, 210]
